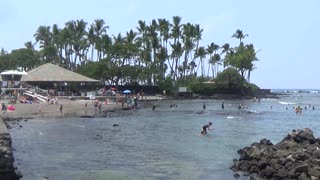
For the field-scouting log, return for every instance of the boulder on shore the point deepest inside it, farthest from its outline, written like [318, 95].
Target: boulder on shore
[296, 156]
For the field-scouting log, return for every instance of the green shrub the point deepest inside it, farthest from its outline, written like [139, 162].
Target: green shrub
[167, 85]
[227, 82]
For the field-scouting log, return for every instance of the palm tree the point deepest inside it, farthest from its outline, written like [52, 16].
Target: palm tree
[29, 45]
[164, 28]
[70, 33]
[91, 39]
[161, 57]
[252, 55]
[212, 49]
[175, 55]
[106, 45]
[99, 28]
[239, 35]
[48, 51]
[214, 61]
[188, 34]
[201, 53]
[131, 43]
[57, 42]
[131, 36]
[44, 36]
[176, 28]
[152, 36]
[78, 40]
[176, 34]
[66, 39]
[225, 50]
[198, 35]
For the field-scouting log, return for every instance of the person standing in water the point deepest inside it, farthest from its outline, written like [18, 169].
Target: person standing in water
[205, 129]
[61, 108]
[204, 106]
[222, 105]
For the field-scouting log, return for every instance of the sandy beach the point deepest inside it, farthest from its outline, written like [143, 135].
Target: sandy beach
[71, 108]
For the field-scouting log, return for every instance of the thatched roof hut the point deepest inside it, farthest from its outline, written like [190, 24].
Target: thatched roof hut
[53, 73]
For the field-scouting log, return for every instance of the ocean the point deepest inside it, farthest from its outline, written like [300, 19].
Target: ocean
[161, 144]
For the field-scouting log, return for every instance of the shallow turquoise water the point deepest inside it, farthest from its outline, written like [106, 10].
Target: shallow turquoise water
[164, 144]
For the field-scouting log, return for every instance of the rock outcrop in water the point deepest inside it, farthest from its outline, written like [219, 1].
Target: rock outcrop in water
[7, 169]
[297, 156]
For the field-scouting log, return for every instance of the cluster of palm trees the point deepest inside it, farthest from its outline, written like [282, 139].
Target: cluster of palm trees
[159, 49]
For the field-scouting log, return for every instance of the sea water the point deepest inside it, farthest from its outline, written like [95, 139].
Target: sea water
[160, 144]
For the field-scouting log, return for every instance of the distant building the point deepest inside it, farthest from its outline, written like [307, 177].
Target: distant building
[11, 78]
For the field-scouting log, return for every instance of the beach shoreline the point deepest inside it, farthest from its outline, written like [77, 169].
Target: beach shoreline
[75, 107]
[71, 108]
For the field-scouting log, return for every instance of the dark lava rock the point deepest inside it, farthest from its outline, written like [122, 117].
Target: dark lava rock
[296, 156]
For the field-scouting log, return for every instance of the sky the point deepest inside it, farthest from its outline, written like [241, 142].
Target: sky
[287, 32]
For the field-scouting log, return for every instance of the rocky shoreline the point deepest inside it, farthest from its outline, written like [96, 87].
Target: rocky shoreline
[219, 96]
[7, 169]
[297, 156]
[235, 96]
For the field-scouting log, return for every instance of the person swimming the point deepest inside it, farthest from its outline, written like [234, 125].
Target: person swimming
[205, 129]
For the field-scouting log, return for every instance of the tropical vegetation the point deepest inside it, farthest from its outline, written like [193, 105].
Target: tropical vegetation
[156, 53]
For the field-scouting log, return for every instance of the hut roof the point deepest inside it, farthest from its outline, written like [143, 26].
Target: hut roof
[53, 73]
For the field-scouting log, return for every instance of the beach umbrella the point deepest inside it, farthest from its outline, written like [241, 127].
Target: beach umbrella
[126, 91]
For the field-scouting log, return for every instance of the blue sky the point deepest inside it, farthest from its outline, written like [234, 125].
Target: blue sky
[286, 31]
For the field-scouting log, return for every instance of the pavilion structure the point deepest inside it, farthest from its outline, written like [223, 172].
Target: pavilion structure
[54, 79]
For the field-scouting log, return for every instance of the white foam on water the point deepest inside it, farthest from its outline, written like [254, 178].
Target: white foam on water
[286, 103]
[234, 117]
[252, 111]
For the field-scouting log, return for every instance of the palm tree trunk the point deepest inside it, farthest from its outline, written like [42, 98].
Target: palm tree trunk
[212, 69]
[92, 49]
[202, 67]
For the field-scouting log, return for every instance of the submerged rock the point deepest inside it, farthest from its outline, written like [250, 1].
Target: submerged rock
[297, 156]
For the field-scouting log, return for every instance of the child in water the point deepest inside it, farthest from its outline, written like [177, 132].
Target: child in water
[205, 129]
